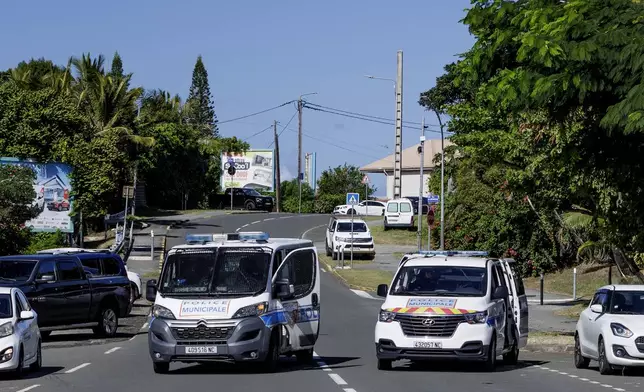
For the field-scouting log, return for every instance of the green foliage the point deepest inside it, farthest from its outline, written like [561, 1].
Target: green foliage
[16, 198]
[324, 204]
[290, 193]
[42, 241]
[342, 180]
[117, 66]
[201, 108]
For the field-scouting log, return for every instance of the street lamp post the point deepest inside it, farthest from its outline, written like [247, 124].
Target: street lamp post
[299, 147]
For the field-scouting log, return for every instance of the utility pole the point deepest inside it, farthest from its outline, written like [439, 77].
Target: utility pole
[420, 189]
[442, 188]
[398, 144]
[299, 139]
[278, 183]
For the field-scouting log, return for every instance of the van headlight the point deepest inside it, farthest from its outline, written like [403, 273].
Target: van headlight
[476, 318]
[251, 310]
[386, 316]
[162, 312]
[620, 330]
[6, 329]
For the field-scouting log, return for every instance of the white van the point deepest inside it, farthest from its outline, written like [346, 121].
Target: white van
[452, 305]
[240, 297]
[399, 213]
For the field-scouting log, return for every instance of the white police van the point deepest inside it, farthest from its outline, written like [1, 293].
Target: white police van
[458, 305]
[240, 297]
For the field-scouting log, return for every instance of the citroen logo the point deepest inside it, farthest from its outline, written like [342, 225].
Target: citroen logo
[201, 323]
[429, 322]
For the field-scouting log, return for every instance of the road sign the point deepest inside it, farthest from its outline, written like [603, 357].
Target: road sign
[433, 198]
[353, 198]
[128, 192]
[365, 179]
[231, 170]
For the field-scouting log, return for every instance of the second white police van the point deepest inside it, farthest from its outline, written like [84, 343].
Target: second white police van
[240, 297]
[452, 305]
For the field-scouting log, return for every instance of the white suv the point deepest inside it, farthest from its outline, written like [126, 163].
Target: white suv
[20, 340]
[339, 236]
[452, 305]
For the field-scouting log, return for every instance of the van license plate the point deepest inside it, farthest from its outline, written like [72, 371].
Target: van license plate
[423, 344]
[201, 350]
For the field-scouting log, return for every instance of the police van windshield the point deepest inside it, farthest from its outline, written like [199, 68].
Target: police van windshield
[442, 281]
[358, 227]
[216, 273]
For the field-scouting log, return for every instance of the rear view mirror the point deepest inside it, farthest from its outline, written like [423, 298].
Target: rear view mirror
[596, 308]
[151, 290]
[284, 289]
[500, 292]
[382, 290]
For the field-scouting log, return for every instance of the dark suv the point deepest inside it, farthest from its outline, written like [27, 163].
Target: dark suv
[70, 291]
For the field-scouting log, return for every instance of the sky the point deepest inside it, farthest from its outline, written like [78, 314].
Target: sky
[262, 54]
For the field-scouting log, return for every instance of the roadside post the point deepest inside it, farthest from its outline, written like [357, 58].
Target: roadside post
[151, 244]
[431, 199]
[128, 193]
[541, 289]
[352, 199]
[365, 181]
[231, 172]
[574, 283]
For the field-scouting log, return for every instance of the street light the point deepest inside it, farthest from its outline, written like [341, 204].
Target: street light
[299, 147]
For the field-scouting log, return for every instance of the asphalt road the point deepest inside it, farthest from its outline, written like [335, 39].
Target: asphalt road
[346, 350]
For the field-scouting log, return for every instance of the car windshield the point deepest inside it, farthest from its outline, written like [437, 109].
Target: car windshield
[252, 192]
[445, 281]
[627, 302]
[358, 227]
[16, 270]
[227, 272]
[5, 306]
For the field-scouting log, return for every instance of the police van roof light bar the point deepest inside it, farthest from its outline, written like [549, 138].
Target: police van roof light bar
[466, 253]
[253, 236]
[199, 238]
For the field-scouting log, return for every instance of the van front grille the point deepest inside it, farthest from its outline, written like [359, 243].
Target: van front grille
[436, 326]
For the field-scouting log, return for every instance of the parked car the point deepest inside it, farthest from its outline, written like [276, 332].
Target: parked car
[414, 202]
[246, 198]
[58, 205]
[65, 295]
[135, 279]
[39, 201]
[611, 329]
[399, 213]
[364, 208]
[20, 341]
[338, 234]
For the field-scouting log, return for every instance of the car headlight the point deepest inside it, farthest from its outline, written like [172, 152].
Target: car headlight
[620, 330]
[6, 329]
[476, 318]
[252, 310]
[162, 312]
[386, 316]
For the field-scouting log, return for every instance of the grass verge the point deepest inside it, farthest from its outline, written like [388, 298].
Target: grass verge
[572, 312]
[549, 339]
[361, 279]
[589, 279]
[396, 236]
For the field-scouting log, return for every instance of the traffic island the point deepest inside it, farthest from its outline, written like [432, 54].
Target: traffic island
[358, 277]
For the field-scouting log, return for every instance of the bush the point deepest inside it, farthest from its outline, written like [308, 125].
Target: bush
[42, 241]
[326, 203]
[292, 205]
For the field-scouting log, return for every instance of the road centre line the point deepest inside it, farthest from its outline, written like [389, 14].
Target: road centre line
[337, 379]
[254, 223]
[269, 219]
[110, 351]
[29, 388]
[363, 294]
[72, 370]
[349, 390]
[580, 378]
[311, 229]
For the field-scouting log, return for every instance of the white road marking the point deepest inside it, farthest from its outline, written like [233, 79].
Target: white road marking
[254, 223]
[363, 294]
[139, 258]
[132, 338]
[72, 370]
[269, 219]
[322, 268]
[29, 388]
[311, 229]
[619, 389]
[606, 386]
[337, 379]
[349, 390]
[573, 376]
[145, 325]
[582, 379]
[110, 351]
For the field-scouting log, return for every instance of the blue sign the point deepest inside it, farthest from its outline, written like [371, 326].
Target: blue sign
[433, 199]
[353, 198]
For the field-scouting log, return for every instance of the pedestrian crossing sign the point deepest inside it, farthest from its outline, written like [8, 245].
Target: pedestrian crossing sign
[353, 198]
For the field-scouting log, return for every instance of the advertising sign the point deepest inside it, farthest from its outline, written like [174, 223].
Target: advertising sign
[52, 190]
[253, 169]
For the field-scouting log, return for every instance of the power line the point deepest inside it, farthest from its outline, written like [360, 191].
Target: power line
[259, 133]
[334, 145]
[254, 114]
[364, 115]
[287, 124]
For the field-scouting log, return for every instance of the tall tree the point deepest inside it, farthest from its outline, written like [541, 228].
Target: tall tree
[201, 108]
[117, 66]
[16, 198]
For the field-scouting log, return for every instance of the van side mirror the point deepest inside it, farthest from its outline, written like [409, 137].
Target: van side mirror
[500, 292]
[382, 290]
[27, 315]
[597, 308]
[284, 289]
[151, 290]
[46, 279]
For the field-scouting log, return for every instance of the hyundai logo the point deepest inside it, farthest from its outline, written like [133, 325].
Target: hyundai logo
[429, 322]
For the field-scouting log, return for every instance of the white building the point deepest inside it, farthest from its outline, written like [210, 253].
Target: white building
[410, 180]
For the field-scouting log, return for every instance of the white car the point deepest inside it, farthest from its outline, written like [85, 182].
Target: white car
[364, 208]
[452, 305]
[611, 330]
[399, 213]
[338, 237]
[20, 341]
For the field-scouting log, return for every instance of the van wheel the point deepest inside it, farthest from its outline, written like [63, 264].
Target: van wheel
[304, 356]
[328, 250]
[36, 366]
[107, 323]
[490, 362]
[580, 361]
[271, 363]
[161, 367]
[384, 364]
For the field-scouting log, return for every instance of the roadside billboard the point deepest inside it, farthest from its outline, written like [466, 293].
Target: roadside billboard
[253, 169]
[52, 190]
